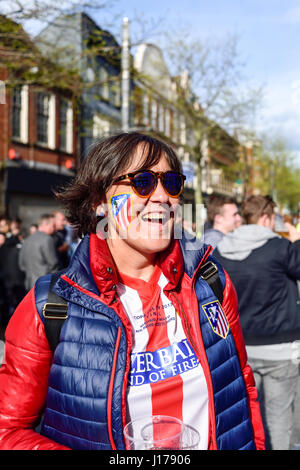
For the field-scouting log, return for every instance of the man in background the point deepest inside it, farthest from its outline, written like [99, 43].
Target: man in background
[223, 217]
[60, 239]
[264, 268]
[38, 255]
[12, 276]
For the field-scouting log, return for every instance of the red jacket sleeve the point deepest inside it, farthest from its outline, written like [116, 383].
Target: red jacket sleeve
[24, 380]
[230, 306]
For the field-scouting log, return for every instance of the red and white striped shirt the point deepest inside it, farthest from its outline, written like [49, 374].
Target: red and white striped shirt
[166, 377]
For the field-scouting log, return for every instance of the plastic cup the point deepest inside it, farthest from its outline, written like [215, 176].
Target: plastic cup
[160, 433]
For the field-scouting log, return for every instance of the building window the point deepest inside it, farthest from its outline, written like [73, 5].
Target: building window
[19, 114]
[146, 106]
[183, 132]
[63, 110]
[161, 118]
[114, 91]
[154, 114]
[168, 122]
[42, 117]
[138, 107]
[103, 75]
[46, 132]
[16, 112]
[117, 93]
[101, 127]
[66, 126]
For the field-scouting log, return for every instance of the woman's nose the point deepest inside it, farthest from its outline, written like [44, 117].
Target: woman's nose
[159, 194]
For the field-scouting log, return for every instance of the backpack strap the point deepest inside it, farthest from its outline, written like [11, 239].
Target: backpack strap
[55, 312]
[209, 273]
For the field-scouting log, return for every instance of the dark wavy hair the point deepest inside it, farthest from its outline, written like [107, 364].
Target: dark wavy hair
[107, 159]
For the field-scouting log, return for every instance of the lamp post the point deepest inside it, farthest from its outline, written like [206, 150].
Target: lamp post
[125, 75]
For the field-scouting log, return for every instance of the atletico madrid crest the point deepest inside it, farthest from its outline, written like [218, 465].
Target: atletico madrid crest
[121, 210]
[216, 318]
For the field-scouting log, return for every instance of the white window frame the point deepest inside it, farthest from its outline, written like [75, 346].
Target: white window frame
[161, 118]
[104, 83]
[23, 137]
[154, 114]
[24, 114]
[168, 122]
[52, 122]
[146, 109]
[69, 127]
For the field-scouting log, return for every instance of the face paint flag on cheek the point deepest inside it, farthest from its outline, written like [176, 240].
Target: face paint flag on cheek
[121, 207]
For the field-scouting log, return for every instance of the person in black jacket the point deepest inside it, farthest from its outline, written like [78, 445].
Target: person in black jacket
[60, 239]
[264, 268]
[11, 276]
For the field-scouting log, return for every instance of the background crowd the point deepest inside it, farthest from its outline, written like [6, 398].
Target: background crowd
[26, 255]
[260, 251]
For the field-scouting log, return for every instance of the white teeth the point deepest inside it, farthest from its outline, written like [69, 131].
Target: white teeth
[153, 217]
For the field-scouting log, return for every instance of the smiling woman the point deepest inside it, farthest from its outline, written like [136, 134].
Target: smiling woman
[108, 159]
[143, 334]
[150, 226]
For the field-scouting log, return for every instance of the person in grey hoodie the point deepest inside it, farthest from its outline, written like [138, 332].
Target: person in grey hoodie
[38, 255]
[264, 268]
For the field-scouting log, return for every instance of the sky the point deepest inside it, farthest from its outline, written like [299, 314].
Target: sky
[268, 34]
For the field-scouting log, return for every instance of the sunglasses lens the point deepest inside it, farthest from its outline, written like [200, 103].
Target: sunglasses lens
[144, 183]
[172, 183]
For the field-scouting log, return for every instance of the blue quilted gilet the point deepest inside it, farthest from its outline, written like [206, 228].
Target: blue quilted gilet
[93, 343]
[233, 426]
[77, 407]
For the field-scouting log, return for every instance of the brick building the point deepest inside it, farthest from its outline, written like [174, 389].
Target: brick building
[37, 150]
[38, 146]
[97, 56]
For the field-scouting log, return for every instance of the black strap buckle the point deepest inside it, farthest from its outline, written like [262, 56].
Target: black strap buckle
[208, 270]
[55, 311]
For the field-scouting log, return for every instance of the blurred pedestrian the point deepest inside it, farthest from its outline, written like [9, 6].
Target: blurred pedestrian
[60, 237]
[3, 299]
[15, 228]
[4, 224]
[264, 268]
[222, 216]
[38, 255]
[12, 276]
[144, 333]
[32, 229]
[2, 238]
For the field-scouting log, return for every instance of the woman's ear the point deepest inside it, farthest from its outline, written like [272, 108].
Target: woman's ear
[101, 209]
